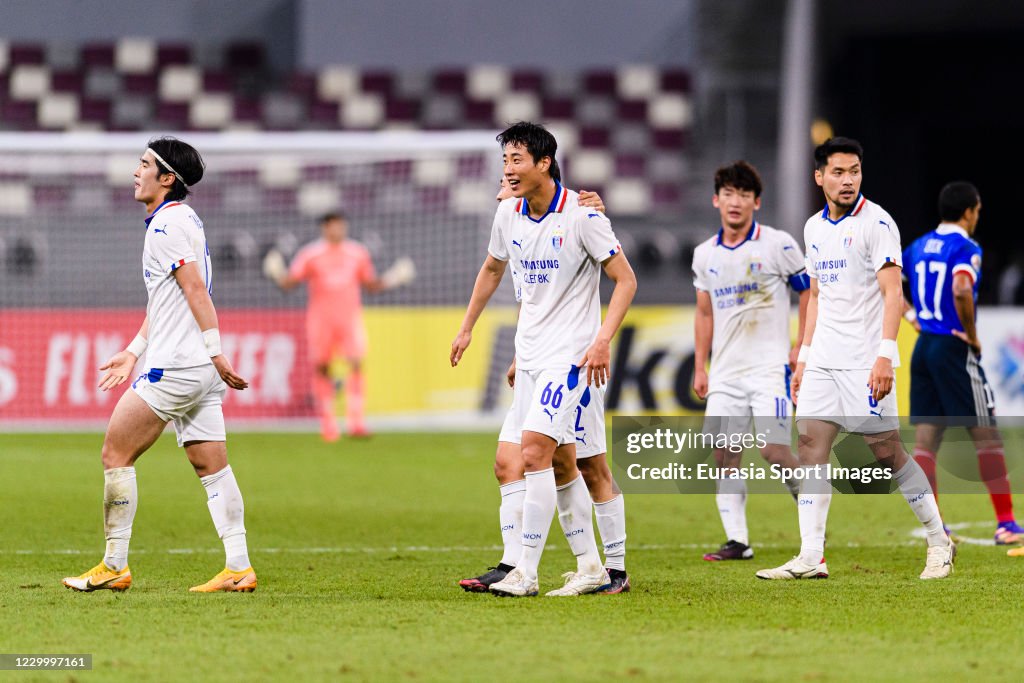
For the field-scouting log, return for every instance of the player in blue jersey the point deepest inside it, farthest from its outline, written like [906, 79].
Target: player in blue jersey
[947, 384]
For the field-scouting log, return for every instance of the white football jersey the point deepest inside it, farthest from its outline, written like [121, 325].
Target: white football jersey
[557, 259]
[749, 288]
[844, 256]
[174, 237]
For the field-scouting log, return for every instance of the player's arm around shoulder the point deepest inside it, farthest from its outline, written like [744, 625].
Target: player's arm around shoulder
[199, 302]
[591, 200]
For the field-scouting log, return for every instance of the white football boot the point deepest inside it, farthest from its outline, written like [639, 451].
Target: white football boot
[515, 585]
[795, 569]
[578, 583]
[939, 564]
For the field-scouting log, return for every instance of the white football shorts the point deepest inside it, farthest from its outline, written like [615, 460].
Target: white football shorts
[191, 398]
[843, 397]
[763, 397]
[588, 424]
[545, 401]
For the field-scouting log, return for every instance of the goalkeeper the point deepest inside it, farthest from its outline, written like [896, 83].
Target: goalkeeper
[336, 270]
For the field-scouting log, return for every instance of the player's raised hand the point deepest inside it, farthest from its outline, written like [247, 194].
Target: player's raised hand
[227, 373]
[881, 379]
[119, 368]
[700, 383]
[591, 200]
[511, 374]
[459, 346]
[598, 360]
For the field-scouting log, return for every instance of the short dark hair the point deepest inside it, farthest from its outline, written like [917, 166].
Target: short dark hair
[184, 159]
[534, 137]
[555, 171]
[836, 146]
[333, 216]
[955, 198]
[740, 175]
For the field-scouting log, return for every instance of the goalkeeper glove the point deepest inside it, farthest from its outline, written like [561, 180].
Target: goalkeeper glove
[274, 266]
[401, 272]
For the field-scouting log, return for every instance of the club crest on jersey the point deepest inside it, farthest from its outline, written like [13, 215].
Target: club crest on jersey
[557, 239]
[755, 267]
[847, 241]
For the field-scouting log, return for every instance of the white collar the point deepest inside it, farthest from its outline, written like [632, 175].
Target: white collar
[950, 228]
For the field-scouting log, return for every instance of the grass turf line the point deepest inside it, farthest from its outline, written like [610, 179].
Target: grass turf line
[356, 616]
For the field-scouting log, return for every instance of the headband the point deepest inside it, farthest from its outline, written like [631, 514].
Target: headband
[167, 165]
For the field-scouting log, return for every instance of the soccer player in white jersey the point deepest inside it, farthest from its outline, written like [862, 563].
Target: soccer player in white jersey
[741, 276]
[590, 449]
[558, 247]
[184, 380]
[844, 378]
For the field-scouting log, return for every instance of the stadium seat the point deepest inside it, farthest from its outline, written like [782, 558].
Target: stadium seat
[29, 81]
[22, 257]
[58, 111]
[245, 56]
[97, 55]
[630, 123]
[20, 54]
[135, 56]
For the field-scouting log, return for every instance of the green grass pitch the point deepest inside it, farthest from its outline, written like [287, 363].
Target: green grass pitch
[358, 548]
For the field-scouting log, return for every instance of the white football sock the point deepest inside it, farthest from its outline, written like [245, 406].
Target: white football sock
[913, 484]
[731, 499]
[120, 500]
[510, 514]
[228, 513]
[611, 522]
[575, 515]
[538, 509]
[812, 510]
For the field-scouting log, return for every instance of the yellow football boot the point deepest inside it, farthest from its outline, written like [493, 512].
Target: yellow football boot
[100, 577]
[229, 582]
